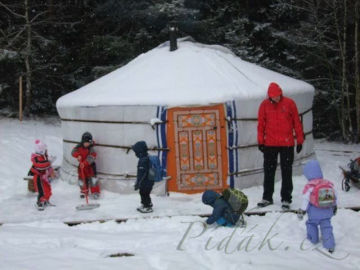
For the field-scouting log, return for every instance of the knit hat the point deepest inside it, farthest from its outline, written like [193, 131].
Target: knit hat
[274, 90]
[86, 137]
[40, 147]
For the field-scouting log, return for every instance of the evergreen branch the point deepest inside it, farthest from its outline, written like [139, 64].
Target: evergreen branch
[11, 11]
[16, 36]
[40, 37]
[38, 15]
[3, 33]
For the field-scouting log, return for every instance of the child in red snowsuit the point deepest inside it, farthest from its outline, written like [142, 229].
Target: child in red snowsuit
[85, 154]
[41, 169]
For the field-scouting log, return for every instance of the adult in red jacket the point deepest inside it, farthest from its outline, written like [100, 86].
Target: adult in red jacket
[278, 120]
[85, 154]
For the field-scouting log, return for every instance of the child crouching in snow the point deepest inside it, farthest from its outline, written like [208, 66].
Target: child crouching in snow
[319, 202]
[222, 213]
[41, 170]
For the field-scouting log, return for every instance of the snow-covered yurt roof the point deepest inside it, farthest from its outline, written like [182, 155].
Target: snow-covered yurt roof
[194, 74]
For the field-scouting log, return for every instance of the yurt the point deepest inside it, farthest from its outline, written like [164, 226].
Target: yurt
[196, 107]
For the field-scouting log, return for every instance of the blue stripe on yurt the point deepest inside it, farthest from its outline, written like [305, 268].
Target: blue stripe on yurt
[236, 137]
[163, 118]
[157, 129]
[230, 142]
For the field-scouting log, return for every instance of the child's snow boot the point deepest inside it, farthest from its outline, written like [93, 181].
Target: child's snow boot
[40, 206]
[48, 203]
[242, 222]
[96, 196]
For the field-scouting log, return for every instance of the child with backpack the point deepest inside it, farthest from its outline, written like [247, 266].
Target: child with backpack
[84, 152]
[41, 170]
[223, 205]
[144, 183]
[319, 202]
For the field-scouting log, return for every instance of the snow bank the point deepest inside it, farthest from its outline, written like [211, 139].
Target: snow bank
[30, 239]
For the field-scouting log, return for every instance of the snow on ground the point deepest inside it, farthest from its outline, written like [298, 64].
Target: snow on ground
[30, 239]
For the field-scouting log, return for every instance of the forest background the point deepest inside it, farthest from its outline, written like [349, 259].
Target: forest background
[59, 46]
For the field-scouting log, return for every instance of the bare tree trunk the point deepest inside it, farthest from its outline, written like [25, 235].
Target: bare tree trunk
[357, 71]
[313, 7]
[342, 48]
[27, 60]
[349, 129]
[51, 8]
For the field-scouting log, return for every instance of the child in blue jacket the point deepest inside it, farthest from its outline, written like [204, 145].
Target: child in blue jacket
[317, 216]
[222, 213]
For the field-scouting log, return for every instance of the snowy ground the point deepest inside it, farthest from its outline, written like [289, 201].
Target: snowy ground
[39, 240]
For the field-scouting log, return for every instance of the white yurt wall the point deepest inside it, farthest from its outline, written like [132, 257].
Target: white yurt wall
[114, 128]
[128, 99]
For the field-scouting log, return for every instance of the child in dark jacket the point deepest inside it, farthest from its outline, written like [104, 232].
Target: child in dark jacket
[222, 213]
[318, 216]
[143, 183]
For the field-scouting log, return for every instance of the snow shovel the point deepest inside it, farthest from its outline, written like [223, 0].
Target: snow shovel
[87, 206]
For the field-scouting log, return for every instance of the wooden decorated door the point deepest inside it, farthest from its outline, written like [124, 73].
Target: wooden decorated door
[197, 159]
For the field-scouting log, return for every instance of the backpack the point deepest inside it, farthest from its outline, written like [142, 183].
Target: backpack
[237, 199]
[155, 171]
[323, 193]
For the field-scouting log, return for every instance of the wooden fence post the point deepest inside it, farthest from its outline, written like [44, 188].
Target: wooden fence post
[20, 98]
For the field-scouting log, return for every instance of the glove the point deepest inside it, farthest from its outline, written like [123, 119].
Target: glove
[298, 148]
[261, 147]
[300, 214]
[335, 210]
[136, 186]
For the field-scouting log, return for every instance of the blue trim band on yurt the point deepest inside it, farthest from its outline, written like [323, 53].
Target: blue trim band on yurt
[230, 142]
[161, 134]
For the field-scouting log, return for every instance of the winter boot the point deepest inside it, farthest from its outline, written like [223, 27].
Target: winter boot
[143, 209]
[95, 196]
[285, 205]
[264, 203]
[48, 203]
[242, 222]
[40, 206]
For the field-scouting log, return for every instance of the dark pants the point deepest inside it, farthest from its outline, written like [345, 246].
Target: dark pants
[43, 188]
[145, 197]
[270, 164]
[39, 188]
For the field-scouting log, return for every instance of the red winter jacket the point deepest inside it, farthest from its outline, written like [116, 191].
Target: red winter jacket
[88, 156]
[40, 164]
[278, 121]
